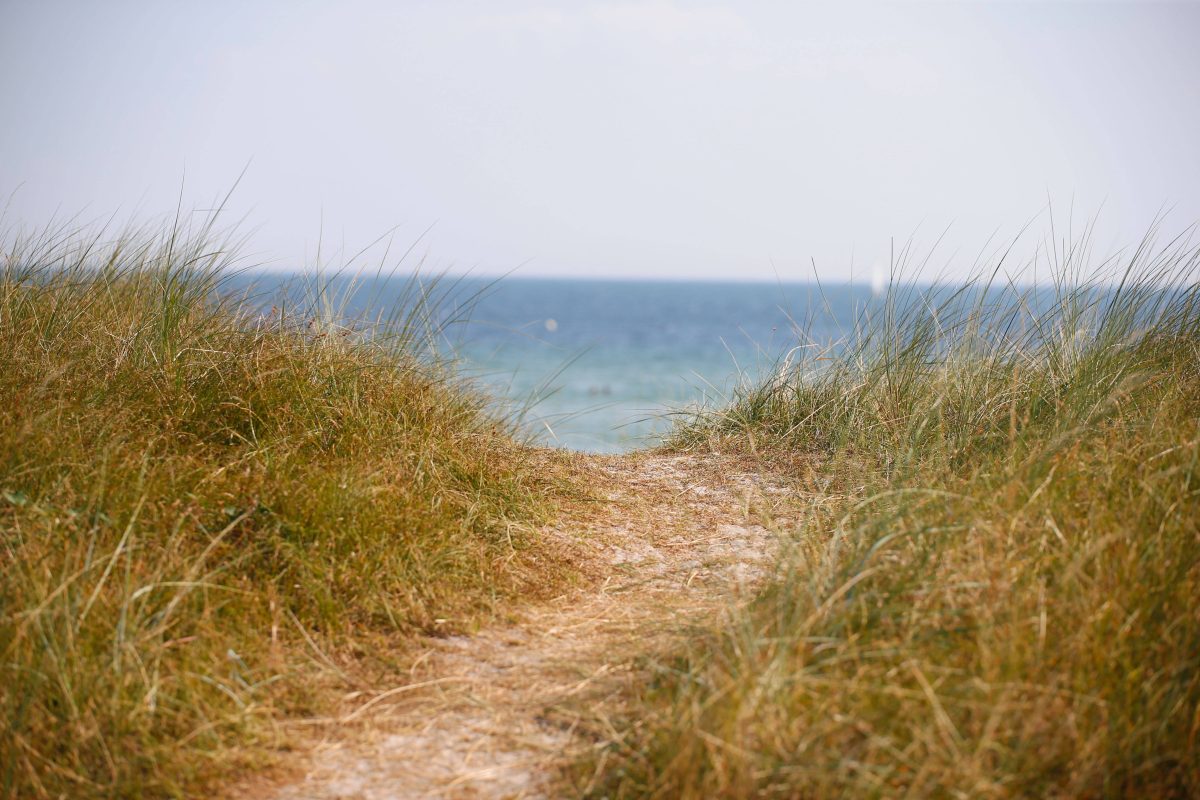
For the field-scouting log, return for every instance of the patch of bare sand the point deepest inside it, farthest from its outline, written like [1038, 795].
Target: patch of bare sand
[494, 714]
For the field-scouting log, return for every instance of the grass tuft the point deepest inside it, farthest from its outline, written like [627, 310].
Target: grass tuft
[992, 587]
[205, 506]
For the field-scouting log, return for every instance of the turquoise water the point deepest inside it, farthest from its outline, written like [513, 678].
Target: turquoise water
[601, 365]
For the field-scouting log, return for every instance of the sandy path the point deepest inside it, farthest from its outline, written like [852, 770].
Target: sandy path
[494, 714]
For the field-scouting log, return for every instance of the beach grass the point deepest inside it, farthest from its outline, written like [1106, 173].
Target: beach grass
[215, 512]
[992, 587]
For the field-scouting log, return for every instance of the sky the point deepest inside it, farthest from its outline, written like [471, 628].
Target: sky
[715, 140]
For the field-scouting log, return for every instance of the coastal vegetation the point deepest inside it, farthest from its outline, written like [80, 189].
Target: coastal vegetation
[214, 512]
[226, 516]
[992, 588]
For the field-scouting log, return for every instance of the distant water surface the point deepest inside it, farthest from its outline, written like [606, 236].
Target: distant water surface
[600, 364]
[609, 360]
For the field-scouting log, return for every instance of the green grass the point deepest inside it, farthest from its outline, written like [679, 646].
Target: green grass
[209, 515]
[993, 588]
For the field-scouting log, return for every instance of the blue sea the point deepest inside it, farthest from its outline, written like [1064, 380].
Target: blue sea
[605, 365]
[601, 365]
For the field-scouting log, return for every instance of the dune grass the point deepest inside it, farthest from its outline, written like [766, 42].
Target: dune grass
[209, 511]
[993, 589]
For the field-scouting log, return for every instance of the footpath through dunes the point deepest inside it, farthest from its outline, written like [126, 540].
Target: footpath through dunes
[668, 539]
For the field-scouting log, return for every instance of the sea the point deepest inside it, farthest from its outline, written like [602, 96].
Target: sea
[601, 366]
[606, 366]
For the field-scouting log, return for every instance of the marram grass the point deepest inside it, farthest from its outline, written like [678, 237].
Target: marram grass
[207, 509]
[993, 588]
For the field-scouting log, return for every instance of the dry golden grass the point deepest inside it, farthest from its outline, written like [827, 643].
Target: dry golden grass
[994, 590]
[210, 516]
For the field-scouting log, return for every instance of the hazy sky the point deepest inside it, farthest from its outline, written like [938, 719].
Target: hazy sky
[673, 139]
